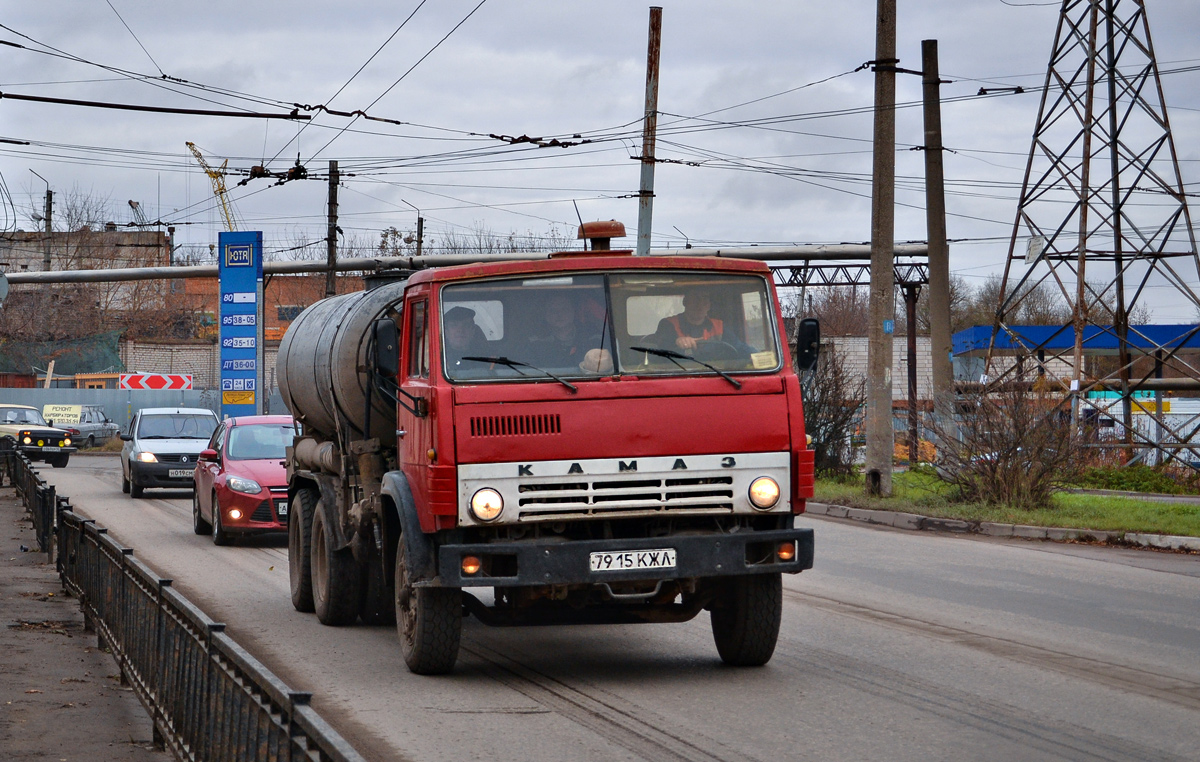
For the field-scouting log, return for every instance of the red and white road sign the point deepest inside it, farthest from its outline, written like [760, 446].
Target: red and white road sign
[156, 381]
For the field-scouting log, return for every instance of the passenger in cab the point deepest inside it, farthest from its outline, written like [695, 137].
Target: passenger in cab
[463, 338]
[571, 337]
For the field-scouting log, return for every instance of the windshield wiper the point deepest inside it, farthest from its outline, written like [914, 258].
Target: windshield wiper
[517, 365]
[674, 357]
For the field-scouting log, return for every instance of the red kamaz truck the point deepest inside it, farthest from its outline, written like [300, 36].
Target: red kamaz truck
[588, 438]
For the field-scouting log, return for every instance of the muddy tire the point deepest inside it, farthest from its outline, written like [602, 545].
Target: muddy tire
[136, 490]
[428, 621]
[60, 461]
[219, 535]
[745, 619]
[124, 483]
[199, 525]
[336, 584]
[300, 547]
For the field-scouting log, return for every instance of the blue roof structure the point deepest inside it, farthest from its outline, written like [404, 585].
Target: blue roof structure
[1097, 340]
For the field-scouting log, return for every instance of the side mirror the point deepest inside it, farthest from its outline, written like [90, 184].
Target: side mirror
[808, 343]
[127, 437]
[208, 456]
[50, 424]
[387, 348]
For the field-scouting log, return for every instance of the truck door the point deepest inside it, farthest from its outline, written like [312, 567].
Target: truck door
[413, 447]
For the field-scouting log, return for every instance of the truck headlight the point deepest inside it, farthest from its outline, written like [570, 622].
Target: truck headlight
[248, 486]
[27, 440]
[764, 492]
[486, 504]
[66, 442]
[146, 457]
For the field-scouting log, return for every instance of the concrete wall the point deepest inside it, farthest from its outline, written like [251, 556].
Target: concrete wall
[853, 351]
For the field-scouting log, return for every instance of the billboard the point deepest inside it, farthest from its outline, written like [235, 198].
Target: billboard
[241, 275]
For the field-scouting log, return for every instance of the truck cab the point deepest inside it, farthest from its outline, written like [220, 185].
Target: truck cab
[582, 439]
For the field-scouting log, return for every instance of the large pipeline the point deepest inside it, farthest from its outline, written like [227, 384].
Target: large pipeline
[323, 362]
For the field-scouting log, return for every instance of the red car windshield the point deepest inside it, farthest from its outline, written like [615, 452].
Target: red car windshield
[259, 442]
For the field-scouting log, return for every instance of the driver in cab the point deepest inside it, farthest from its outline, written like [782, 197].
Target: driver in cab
[681, 332]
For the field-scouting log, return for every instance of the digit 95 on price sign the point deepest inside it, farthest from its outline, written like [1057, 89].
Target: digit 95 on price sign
[240, 265]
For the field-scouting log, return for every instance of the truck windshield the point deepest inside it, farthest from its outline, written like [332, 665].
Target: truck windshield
[587, 325]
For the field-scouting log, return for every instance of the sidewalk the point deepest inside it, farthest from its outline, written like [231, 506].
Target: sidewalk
[62, 699]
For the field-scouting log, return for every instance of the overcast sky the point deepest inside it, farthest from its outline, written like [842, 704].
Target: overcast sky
[543, 68]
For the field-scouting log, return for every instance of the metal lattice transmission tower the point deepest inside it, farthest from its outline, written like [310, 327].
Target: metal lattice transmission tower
[1103, 221]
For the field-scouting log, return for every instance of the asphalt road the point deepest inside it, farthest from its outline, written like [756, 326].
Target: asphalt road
[898, 646]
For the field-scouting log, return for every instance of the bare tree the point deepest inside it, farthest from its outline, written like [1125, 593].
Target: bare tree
[833, 403]
[1013, 447]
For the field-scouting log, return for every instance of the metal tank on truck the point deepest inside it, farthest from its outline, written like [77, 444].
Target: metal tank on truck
[588, 437]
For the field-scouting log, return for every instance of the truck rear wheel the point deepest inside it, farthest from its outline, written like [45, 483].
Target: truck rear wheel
[745, 619]
[299, 548]
[428, 621]
[335, 575]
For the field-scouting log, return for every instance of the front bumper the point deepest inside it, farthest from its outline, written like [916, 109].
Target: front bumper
[263, 512]
[566, 563]
[159, 475]
[35, 453]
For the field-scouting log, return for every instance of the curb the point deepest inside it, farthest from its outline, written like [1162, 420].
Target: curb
[915, 522]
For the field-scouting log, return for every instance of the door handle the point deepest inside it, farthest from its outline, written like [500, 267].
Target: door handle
[400, 433]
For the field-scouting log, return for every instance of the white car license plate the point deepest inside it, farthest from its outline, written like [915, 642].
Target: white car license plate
[51, 449]
[281, 508]
[179, 473]
[624, 560]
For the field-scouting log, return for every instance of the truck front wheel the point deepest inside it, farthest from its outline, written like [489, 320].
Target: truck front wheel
[335, 575]
[428, 621]
[300, 547]
[745, 618]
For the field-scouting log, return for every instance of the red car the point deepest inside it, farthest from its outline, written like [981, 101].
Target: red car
[241, 479]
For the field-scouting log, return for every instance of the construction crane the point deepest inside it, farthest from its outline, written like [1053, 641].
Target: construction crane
[139, 217]
[217, 176]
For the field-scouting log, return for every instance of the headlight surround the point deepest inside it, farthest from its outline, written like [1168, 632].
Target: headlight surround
[764, 493]
[145, 457]
[487, 504]
[240, 484]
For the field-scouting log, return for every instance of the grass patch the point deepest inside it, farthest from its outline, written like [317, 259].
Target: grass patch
[921, 492]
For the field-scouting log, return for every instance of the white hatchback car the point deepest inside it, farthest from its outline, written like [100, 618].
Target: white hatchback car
[162, 447]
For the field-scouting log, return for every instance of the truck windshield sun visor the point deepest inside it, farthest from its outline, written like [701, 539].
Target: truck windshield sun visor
[589, 325]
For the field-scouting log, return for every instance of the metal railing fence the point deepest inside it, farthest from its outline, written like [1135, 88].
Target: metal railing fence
[209, 699]
[35, 493]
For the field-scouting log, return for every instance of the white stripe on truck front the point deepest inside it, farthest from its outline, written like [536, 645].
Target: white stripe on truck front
[563, 490]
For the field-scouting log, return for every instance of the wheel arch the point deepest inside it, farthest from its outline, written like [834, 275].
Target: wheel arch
[400, 513]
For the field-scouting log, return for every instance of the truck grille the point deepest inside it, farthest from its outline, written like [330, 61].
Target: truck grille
[515, 425]
[609, 496]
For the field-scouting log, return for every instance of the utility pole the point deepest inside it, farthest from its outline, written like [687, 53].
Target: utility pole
[331, 238]
[880, 437]
[420, 233]
[649, 131]
[49, 213]
[940, 341]
[912, 292]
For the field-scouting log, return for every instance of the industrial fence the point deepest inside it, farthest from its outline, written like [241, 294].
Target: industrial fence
[209, 699]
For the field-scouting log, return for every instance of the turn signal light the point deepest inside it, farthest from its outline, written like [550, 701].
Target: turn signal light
[786, 551]
[471, 565]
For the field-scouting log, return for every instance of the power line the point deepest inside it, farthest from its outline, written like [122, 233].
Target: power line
[405, 74]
